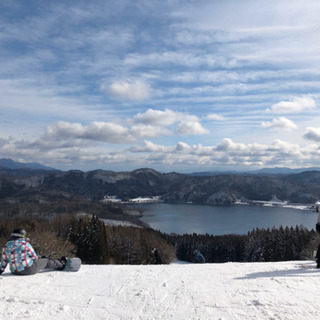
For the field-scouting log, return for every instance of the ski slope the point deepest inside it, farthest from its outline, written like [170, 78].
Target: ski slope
[281, 290]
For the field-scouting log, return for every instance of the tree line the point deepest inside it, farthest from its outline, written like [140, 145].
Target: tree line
[88, 238]
[276, 244]
[95, 243]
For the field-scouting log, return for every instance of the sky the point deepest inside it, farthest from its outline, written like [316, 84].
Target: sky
[171, 85]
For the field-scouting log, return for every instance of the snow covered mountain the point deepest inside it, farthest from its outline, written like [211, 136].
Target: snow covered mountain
[282, 290]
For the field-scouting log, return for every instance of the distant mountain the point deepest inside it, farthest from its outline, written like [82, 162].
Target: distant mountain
[214, 173]
[285, 170]
[223, 189]
[10, 164]
[264, 171]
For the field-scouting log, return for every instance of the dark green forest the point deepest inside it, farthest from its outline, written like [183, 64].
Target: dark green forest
[276, 244]
[95, 243]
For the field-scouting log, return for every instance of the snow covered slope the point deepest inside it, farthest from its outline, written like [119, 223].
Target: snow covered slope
[178, 291]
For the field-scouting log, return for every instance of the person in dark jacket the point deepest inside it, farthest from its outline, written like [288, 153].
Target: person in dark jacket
[318, 230]
[22, 258]
[155, 256]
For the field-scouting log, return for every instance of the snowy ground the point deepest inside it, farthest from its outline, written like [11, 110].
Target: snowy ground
[117, 223]
[178, 291]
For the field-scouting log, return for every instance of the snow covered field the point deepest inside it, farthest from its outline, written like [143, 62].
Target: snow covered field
[178, 291]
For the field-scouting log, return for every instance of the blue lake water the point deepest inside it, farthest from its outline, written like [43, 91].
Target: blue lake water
[216, 220]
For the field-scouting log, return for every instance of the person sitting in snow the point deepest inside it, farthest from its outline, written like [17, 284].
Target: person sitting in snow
[22, 259]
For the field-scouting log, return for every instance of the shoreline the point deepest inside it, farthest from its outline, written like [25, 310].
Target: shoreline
[274, 202]
[296, 206]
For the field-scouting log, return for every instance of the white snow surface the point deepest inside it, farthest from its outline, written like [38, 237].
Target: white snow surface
[281, 290]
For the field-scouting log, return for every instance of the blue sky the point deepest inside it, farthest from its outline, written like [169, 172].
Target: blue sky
[171, 85]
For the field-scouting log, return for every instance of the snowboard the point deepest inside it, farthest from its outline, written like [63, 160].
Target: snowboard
[73, 264]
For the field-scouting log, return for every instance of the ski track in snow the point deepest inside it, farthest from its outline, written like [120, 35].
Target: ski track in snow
[282, 290]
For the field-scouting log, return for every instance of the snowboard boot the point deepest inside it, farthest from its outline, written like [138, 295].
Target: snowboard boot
[63, 260]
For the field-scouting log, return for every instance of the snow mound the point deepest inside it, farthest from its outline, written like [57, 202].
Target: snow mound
[282, 290]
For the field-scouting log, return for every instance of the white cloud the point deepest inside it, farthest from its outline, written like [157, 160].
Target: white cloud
[187, 124]
[153, 123]
[214, 116]
[312, 134]
[191, 125]
[296, 105]
[98, 131]
[148, 131]
[182, 146]
[278, 124]
[129, 90]
[280, 146]
[227, 145]
[149, 146]
[158, 117]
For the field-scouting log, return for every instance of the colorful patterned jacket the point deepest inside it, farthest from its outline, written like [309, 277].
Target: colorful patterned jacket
[19, 254]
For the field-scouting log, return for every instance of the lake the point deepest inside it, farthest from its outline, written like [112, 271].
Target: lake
[216, 220]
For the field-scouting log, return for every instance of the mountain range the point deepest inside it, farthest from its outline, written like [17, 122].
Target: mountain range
[218, 189]
[10, 164]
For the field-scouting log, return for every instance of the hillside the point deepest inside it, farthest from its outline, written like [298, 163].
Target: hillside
[224, 189]
[229, 291]
[10, 164]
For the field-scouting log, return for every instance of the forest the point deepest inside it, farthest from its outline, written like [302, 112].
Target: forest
[276, 244]
[96, 243]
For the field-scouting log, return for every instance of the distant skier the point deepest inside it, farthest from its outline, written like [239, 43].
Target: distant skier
[198, 257]
[318, 230]
[155, 257]
[22, 259]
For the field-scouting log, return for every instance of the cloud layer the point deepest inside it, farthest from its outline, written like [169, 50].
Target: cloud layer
[174, 85]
